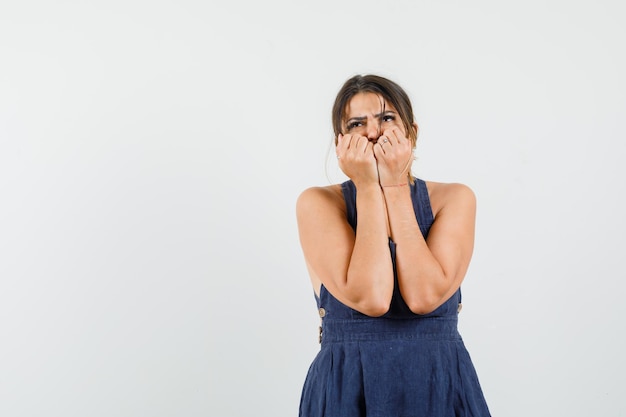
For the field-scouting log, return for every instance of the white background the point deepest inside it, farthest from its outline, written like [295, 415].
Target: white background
[151, 154]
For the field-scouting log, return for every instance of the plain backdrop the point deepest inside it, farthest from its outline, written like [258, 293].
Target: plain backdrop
[151, 154]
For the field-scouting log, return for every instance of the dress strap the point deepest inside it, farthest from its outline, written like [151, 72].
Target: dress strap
[421, 206]
[349, 195]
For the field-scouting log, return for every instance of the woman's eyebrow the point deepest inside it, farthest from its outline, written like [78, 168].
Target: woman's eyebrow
[376, 116]
[356, 119]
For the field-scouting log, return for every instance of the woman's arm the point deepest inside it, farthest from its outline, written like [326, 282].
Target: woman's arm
[431, 270]
[355, 267]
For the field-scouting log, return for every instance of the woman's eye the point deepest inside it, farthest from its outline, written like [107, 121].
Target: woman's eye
[353, 125]
[389, 118]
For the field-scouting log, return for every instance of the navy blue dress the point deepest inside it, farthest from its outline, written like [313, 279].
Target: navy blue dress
[398, 365]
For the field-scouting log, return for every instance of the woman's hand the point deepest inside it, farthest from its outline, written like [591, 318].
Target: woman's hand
[355, 154]
[394, 155]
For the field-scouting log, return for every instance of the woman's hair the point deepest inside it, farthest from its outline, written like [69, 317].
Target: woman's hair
[391, 92]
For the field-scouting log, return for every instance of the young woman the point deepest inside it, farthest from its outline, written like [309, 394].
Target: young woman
[386, 254]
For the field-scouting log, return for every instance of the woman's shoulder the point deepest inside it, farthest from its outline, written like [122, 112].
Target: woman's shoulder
[318, 197]
[450, 194]
[448, 188]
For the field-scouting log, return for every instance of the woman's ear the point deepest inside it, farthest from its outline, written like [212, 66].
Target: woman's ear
[417, 130]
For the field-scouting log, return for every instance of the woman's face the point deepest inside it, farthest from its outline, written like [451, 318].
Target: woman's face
[369, 115]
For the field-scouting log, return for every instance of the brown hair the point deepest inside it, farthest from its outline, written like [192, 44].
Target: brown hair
[387, 89]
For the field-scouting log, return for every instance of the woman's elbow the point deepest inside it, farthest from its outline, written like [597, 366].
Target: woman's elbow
[427, 299]
[372, 300]
[375, 305]
[423, 304]
[375, 309]
[422, 308]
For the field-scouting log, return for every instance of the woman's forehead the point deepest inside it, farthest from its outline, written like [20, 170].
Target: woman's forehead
[365, 103]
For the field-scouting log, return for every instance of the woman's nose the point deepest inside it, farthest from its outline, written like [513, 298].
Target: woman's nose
[373, 130]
